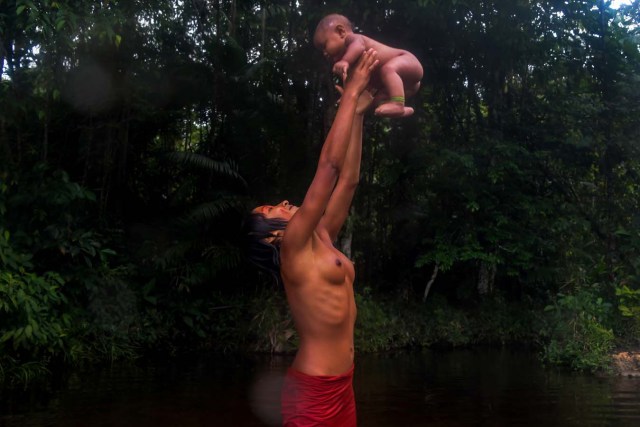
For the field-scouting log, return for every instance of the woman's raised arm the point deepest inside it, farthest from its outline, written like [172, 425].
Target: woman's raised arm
[332, 159]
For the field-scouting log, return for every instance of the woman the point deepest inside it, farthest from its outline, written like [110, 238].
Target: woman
[296, 245]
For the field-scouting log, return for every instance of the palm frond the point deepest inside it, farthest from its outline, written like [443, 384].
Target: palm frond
[227, 167]
[209, 211]
[252, 70]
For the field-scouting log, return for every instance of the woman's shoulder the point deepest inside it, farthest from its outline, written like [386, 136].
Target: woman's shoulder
[319, 241]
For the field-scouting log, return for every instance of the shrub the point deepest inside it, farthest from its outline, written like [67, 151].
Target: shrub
[271, 323]
[374, 329]
[34, 317]
[575, 332]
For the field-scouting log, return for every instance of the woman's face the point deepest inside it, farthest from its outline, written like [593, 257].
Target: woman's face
[283, 210]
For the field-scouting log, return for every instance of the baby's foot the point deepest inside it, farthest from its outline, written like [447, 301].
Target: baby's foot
[393, 110]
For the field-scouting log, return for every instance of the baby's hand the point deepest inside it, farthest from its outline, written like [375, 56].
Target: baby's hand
[340, 69]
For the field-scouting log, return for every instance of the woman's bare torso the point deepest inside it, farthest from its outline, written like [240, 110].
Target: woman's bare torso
[320, 293]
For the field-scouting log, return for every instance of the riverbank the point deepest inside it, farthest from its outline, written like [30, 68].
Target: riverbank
[627, 363]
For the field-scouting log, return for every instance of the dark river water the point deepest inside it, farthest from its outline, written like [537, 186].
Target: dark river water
[427, 388]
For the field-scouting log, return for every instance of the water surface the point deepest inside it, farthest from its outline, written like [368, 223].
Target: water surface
[426, 388]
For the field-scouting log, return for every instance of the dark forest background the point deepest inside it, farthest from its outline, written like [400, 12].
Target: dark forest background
[135, 137]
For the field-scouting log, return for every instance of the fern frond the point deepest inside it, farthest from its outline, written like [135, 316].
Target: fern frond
[173, 255]
[223, 257]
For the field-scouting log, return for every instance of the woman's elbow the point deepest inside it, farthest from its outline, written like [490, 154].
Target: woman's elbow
[349, 183]
[353, 183]
[330, 167]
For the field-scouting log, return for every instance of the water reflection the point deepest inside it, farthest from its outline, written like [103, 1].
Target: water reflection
[488, 388]
[445, 389]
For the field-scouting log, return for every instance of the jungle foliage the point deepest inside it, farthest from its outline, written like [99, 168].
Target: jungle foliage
[135, 136]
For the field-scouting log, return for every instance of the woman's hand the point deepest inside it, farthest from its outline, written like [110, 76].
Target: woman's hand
[359, 77]
[364, 101]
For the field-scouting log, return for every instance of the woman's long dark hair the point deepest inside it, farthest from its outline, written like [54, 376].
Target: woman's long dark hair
[258, 228]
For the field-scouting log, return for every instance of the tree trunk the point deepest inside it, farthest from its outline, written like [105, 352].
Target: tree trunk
[486, 277]
[347, 236]
[217, 9]
[2, 55]
[264, 29]
[430, 283]
[232, 19]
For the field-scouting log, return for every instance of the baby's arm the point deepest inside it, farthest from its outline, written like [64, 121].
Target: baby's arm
[355, 47]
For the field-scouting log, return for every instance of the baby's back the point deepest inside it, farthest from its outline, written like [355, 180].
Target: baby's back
[385, 53]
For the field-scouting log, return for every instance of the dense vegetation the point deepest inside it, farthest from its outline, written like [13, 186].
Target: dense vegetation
[134, 136]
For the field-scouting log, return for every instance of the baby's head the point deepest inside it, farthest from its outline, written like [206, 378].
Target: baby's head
[330, 36]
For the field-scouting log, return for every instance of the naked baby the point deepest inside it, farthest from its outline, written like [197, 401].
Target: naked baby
[397, 77]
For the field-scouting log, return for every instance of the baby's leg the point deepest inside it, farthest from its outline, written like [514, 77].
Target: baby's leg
[412, 90]
[401, 77]
[380, 97]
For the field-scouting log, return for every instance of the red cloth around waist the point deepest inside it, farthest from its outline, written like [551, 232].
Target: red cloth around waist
[310, 401]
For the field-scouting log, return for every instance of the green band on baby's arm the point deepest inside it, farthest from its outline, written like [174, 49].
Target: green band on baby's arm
[397, 99]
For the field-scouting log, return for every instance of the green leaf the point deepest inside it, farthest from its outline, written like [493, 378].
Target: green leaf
[7, 336]
[151, 299]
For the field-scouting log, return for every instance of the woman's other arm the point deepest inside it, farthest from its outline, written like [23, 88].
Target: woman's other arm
[331, 162]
